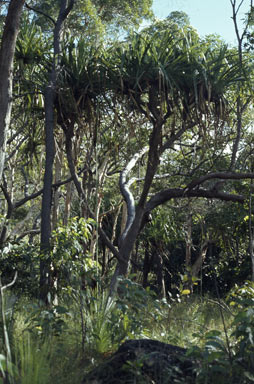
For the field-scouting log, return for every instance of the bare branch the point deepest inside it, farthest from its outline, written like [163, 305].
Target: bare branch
[168, 144]
[219, 175]
[138, 179]
[168, 194]
[41, 13]
[3, 287]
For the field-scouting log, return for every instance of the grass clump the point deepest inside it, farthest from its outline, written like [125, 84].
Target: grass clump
[63, 342]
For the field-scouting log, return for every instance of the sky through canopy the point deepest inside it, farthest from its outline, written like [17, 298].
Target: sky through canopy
[207, 16]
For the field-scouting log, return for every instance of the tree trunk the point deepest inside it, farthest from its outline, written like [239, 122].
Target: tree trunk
[146, 267]
[50, 95]
[196, 267]
[47, 194]
[251, 241]
[7, 52]
[136, 216]
[188, 241]
[8, 214]
[68, 198]
[57, 177]
[160, 275]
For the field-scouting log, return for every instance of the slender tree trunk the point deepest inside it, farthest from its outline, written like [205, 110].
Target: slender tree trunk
[134, 225]
[160, 275]
[188, 241]
[8, 214]
[196, 267]
[50, 95]
[57, 178]
[47, 194]
[7, 51]
[251, 240]
[99, 182]
[68, 146]
[68, 198]
[146, 267]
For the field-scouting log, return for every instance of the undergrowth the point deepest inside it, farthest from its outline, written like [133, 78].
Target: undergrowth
[61, 343]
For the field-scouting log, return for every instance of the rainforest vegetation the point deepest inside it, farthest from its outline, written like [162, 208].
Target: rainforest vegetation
[126, 190]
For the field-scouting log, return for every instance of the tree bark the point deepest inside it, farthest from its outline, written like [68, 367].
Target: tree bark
[188, 249]
[57, 177]
[134, 224]
[7, 52]
[251, 243]
[196, 267]
[50, 95]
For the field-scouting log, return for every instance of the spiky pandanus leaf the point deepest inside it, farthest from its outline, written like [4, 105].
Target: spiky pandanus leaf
[176, 69]
[81, 79]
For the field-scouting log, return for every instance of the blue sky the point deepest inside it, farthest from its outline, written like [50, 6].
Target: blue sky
[207, 16]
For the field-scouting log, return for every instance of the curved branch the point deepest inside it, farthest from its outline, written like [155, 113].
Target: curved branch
[168, 194]
[38, 193]
[219, 175]
[41, 13]
[125, 190]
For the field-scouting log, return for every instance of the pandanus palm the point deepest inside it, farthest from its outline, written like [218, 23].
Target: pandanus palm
[160, 75]
[163, 75]
[80, 81]
[175, 69]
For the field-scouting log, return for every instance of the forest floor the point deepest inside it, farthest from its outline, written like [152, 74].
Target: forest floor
[64, 342]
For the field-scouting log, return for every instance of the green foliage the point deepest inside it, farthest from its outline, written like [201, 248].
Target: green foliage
[23, 258]
[98, 311]
[132, 305]
[33, 360]
[95, 16]
[71, 260]
[229, 359]
[31, 46]
[111, 320]
[47, 322]
[241, 297]
[133, 313]
[7, 369]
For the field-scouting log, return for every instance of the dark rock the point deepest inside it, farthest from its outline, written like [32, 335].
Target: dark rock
[144, 362]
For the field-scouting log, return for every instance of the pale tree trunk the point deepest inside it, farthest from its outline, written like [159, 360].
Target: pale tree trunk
[7, 52]
[188, 242]
[160, 275]
[106, 251]
[55, 214]
[193, 270]
[68, 197]
[196, 267]
[135, 216]
[101, 173]
[57, 178]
